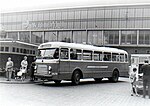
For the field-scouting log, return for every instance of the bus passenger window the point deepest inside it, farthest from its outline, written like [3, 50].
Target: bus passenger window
[17, 50]
[97, 56]
[73, 54]
[126, 58]
[87, 55]
[79, 54]
[14, 49]
[115, 56]
[121, 57]
[107, 57]
[64, 53]
[2, 49]
[56, 54]
[6, 49]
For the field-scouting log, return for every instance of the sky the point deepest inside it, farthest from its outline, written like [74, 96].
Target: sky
[30, 5]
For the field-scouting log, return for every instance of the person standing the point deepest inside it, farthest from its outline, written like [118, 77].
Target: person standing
[24, 65]
[146, 78]
[32, 68]
[133, 79]
[9, 68]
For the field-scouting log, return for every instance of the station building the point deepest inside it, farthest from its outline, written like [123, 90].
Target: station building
[124, 26]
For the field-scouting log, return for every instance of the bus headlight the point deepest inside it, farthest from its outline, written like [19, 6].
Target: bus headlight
[49, 69]
[35, 67]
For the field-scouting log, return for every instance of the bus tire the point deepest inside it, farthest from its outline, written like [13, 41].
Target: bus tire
[57, 81]
[98, 79]
[76, 78]
[115, 76]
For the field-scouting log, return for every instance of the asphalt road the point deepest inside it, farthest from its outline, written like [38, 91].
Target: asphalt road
[88, 93]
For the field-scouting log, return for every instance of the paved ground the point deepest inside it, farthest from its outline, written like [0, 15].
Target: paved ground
[88, 93]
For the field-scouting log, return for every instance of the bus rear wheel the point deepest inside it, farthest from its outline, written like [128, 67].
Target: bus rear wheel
[115, 77]
[76, 77]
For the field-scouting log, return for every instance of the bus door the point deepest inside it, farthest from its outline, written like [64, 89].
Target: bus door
[64, 63]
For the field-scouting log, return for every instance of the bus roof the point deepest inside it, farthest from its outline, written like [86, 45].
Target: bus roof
[140, 55]
[80, 46]
[19, 42]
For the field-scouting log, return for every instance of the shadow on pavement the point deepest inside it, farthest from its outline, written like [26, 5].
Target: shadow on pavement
[68, 83]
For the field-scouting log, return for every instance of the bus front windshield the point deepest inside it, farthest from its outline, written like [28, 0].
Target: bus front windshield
[51, 53]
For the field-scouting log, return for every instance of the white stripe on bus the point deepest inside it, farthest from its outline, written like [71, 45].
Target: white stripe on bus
[97, 66]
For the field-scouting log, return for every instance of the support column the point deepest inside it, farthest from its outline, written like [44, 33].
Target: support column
[138, 32]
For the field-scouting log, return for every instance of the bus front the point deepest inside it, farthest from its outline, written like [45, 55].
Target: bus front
[47, 63]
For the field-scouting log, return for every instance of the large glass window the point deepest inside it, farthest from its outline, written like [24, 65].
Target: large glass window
[111, 37]
[100, 13]
[64, 15]
[144, 37]
[95, 37]
[146, 12]
[115, 13]
[58, 15]
[79, 36]
[46, 15]
[108, 13]
[50, 36]
[70, 14]
[65, 36]
[128, 37]
[24, 36]
[52, 16]
[37, 37]
[13, 35]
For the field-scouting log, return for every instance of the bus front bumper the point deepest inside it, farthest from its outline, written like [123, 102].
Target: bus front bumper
[42, 76]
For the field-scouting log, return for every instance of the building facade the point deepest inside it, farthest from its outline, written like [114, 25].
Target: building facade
[126, 27]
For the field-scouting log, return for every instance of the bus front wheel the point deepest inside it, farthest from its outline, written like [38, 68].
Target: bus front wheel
[115, 77]
[76, 77]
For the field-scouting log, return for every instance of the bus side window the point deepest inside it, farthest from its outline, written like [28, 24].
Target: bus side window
[79, 54]
[107, 56]
[115, 56]
[97, 56]
[121, 57]
[126, 58]
[64, 53]
[73, 54]
[87, 55]
[56, 54]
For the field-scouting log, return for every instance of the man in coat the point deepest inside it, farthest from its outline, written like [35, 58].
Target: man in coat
[146, 78]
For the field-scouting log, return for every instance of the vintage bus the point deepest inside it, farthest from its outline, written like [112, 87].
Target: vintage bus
[69, 61]
[16, 50]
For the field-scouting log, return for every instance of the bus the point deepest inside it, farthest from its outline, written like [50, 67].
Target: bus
[16, 50]
[59, 61]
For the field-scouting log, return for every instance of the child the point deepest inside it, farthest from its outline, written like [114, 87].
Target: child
[133, 82]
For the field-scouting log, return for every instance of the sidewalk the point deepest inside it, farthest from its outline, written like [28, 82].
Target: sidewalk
[15, 81]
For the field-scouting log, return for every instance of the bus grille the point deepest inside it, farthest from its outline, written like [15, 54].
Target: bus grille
[42, 69]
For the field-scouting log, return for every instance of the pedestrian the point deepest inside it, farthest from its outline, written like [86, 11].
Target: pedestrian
[133, 80]
[32, 68]
[24, 65]
[146, 78]
[9, 69]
